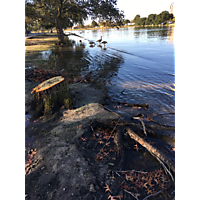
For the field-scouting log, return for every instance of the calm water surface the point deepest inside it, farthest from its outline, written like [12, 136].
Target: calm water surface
[139, 60]
[146, 71]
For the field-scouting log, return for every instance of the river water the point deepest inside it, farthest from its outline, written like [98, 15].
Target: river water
[138, 61]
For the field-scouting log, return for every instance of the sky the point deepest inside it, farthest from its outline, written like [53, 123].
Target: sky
[142, 7]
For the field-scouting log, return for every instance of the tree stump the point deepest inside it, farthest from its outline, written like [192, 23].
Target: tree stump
[50, 95]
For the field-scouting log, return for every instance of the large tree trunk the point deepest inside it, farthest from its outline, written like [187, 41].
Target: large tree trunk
[50, 96]
[59, 31]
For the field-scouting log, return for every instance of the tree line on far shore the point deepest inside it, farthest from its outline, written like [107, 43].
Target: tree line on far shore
[153, 19]
[33, 24]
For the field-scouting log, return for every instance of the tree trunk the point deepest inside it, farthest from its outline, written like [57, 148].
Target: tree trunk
[59, 31]
[50, 95]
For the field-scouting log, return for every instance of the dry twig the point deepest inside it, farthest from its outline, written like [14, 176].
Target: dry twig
[142, 124]
[132, 170]
[131, 194]
[152, 195]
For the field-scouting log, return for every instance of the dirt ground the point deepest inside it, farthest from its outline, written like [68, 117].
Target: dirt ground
[73, 155]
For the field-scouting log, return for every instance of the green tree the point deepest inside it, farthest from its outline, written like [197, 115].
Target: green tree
[93, 24]
[151, 19]
[136, 17]
[164, 16]
[65, 13]
[140, 21]
[126, 21]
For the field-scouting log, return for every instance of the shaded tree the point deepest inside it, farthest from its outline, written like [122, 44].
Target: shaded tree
[140, 21]
[65, 13]
[126, 21]
[136, 17]
[93, 24]
[151, 19]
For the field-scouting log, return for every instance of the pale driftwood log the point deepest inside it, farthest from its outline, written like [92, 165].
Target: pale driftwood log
[153, 150]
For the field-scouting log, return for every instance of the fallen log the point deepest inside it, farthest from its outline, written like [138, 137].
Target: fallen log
[154, 151]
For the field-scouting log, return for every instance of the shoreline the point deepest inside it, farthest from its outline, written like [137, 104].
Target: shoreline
[66, 160]
[85, 29]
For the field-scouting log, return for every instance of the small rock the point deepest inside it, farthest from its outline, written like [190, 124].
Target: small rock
[92, 188]
[63, 188]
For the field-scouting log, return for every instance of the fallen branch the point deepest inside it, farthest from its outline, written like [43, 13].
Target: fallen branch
[150, 126]
[152, 195]
[110, 110]
[140, 119]
[125, 189]
[132, 170]
[131, 194]
[165, 168]
[153, 150]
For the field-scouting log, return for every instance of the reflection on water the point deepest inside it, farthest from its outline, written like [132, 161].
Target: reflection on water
[139, 60]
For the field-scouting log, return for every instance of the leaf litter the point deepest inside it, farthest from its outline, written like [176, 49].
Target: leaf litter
[141, 184]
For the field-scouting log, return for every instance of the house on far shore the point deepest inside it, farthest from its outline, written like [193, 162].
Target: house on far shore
[131, 24]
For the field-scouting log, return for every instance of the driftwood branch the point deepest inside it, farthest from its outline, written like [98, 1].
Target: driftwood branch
[153, 150]
[150, 126]
[152, 195]
[142, 124]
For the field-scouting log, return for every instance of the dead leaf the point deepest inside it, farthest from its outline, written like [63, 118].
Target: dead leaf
[127, 177]
[136, 147]
[111, 197]
[107, 144]
[79, 127]
[100, 142]
[83, 139]
[145, 185]
[107, 189]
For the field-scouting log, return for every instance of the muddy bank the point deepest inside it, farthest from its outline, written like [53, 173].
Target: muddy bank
[75, 154]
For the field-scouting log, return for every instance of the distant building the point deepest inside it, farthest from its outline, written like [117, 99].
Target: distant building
[172, 9]
[131, 24]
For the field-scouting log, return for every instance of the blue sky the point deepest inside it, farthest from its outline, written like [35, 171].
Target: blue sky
[141, 7]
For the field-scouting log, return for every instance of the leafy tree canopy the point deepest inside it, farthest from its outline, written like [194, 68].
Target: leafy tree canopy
[65, 13]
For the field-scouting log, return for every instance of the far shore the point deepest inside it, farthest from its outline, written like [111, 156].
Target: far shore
[96, 28]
